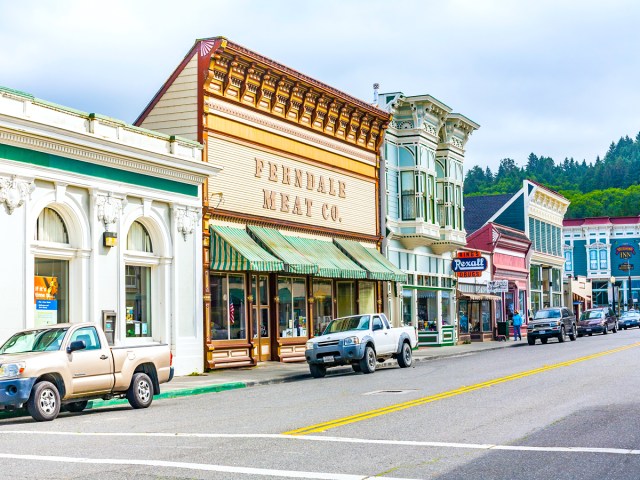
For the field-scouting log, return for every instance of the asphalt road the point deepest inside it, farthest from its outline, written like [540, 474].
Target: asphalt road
[555, 411]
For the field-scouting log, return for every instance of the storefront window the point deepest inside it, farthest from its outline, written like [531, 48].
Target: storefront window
[446, 302]
[367, 297]
[427, 310]
[260, 292]
[536, 302]
[322, 305]
[292, 293]
[228, 313]
[407, 307]
[463, 316]
[138, 301]
[51, 291]
[346, 298]
[485, 314]
[499, 311]
[536, 283]
[522, 303]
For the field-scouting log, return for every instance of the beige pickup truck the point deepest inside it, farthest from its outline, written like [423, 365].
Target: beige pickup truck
[71, 363]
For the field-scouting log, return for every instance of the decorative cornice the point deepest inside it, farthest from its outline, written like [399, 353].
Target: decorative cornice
[14, 192]
[242, 76]
[238, 112]
[33, 142]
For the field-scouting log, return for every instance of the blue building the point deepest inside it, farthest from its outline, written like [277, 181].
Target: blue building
[539, 212]
[422, 210]
[605, 251]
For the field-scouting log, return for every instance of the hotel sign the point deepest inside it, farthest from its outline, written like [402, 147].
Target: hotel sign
[625, 251]
[469, 264]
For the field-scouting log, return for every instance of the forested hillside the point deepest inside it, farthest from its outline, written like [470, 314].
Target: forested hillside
[608, 187]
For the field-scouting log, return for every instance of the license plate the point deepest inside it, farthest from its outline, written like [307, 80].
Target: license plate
[588, 329]
[327, 359]
[542, 331]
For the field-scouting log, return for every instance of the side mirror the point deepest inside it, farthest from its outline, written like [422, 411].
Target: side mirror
[77, 345]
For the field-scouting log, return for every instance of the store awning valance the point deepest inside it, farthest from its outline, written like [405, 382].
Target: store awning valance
[331, 262]
[478, 296]
[276, 243]
[232, 249]
[376, 265]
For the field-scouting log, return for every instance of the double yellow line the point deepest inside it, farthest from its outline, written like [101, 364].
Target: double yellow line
[323, 427]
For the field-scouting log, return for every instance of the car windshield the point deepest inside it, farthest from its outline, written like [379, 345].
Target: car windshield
[356, 322]
[629, 315]
[546, 314]
[592, 314]
[44, 340]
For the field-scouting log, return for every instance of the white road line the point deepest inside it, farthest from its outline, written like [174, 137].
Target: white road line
[198, 466]
[312, 438]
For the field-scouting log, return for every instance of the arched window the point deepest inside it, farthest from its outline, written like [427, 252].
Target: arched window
[50, 227]
[138, 239]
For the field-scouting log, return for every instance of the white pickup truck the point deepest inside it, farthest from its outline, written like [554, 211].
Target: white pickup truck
[360, 340]
[71, 363]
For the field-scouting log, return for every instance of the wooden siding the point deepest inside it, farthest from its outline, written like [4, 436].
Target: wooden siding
[176, 113]
[243, 190]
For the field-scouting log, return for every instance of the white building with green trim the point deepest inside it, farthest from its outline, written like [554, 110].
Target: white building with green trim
[100, 222]
[422, 210]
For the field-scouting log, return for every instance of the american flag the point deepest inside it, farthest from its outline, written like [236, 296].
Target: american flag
[231, 313]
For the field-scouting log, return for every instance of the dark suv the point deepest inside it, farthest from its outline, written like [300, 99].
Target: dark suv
[554, 322]
[597, 320]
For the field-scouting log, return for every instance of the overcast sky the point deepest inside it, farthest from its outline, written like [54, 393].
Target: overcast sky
[557, 78]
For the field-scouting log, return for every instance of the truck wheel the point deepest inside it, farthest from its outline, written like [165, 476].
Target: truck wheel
[44, 403]
[140, 393]
[368, 362]
[356, 367]
[531, 340]
[76, 406]
[544, 340]
[317, 371]
[405, 358]
[572, 335]
[563, 333]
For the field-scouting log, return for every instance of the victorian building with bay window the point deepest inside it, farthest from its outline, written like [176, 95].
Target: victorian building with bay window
[422, 209]
[101, 223]
[291, 226]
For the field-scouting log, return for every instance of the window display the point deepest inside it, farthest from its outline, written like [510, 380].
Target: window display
[51, 290]
[367, 297]
[228, 312]
[138, 301]
[292, 293]
[322, 305]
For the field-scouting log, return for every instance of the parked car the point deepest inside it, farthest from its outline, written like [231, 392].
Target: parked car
[597, 320]
[360, 341]
[553, 322]
[71, 363]
[629, 319]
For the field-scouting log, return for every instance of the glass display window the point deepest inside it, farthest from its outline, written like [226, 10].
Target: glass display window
[138, 301]
[427, 313]
[322, 305]
[51, 291]
[346, 301]
[407, 307]
[367, 297]
[292, 313]
[463, 316]
[228, 307]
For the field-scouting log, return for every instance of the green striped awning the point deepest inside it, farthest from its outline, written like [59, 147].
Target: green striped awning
[331, 262]
[277, 244]
[377, 266]
[232, 249]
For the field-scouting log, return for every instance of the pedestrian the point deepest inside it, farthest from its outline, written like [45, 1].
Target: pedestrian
[517, 323]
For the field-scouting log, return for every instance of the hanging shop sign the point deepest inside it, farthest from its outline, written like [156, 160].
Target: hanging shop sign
[625, 251]
[498, 286]
[469, 264]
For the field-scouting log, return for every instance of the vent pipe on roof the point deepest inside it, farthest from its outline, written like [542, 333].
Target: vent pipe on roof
[376, 86]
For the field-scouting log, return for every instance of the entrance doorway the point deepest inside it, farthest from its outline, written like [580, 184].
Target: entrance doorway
[260, 318]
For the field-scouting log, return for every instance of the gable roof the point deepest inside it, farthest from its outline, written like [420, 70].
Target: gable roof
[479, 209]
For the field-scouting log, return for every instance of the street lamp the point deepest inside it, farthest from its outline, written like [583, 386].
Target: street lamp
[630, 299]
[613, 292]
